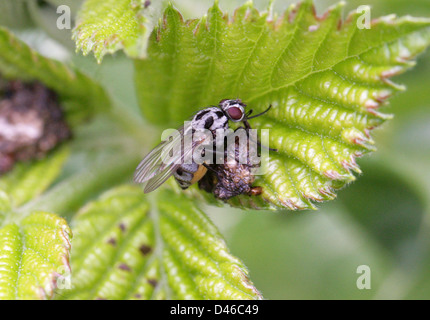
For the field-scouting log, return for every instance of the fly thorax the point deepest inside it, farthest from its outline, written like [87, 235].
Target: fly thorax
[211, 119]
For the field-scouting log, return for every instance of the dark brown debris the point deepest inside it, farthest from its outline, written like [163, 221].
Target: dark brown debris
[112, 241]
[122, 227]
[145, 249]
[31, 122]
[152, 282]
[124, 267]
[231, 179]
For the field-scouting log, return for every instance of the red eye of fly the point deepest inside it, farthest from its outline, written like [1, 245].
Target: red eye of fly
[235, 113]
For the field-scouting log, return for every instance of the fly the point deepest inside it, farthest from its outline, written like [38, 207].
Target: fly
[154, 170]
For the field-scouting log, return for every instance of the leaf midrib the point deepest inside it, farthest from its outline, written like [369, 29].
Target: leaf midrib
[250, 56]
[154, 216]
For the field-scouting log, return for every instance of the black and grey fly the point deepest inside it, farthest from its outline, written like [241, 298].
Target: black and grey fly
[154, 170]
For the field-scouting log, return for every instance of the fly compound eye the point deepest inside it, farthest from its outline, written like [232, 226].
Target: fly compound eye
[233, 109]
[235, 113]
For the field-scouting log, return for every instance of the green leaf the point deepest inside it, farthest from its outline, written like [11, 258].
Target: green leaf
[34, 254]
[127, 248]
[106, 26]
[80, 95]
[28, 180]
[326, 79]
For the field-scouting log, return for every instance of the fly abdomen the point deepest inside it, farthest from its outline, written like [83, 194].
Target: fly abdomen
[187, 174]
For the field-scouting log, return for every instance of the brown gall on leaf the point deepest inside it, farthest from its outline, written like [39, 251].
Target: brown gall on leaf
[31, 122]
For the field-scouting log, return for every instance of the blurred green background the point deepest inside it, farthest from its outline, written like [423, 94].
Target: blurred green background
[382, 220]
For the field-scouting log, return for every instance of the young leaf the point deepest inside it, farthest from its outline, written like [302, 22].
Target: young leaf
[80, 95]
[105, 26]
[34, 254]
[127, 248]
[325, 78]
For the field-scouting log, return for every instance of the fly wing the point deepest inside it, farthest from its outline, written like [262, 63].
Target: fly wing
[165, 159]
[156, 161]
[160, 178]
[164, 174]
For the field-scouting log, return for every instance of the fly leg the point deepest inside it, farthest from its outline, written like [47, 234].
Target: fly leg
[248, 126]
[255, 191]
[210, 169]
